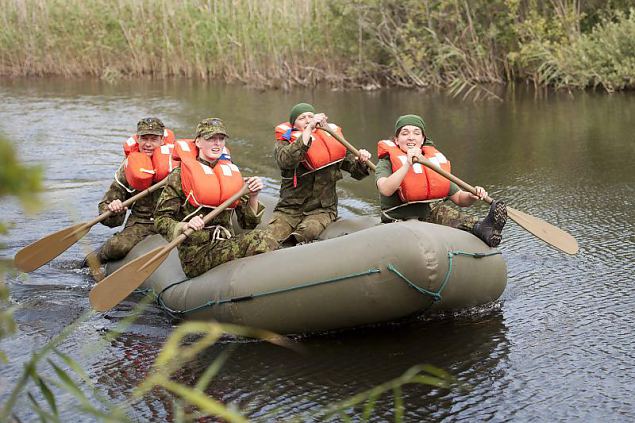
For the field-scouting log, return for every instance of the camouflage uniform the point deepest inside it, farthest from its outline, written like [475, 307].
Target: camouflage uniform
[139, 225]
[202, 250]
[392, 208]
[307, 208]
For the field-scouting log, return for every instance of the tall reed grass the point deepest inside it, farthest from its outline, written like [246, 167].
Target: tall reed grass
[369, 43]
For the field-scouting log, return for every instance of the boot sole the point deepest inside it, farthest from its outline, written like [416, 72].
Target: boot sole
[500, 219]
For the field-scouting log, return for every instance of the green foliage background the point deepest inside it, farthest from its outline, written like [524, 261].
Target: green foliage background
[367, 43]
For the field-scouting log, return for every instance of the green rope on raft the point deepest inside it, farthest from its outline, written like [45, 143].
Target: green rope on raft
[212, 303]
[436, 295]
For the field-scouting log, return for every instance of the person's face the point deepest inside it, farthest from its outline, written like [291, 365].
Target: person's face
[211, 148]
[302, 120]
[409, 137]
[149, 142]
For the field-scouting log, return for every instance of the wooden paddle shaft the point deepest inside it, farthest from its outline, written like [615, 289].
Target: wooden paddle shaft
[464, 185]
[129, 201]
[346, 144]
[206, 219]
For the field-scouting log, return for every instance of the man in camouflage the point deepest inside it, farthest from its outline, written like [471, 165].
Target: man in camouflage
[308, 199]
[140, 222]
[410, 136]
[214, 244]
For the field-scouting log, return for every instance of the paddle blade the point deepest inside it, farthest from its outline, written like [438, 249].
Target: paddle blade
[46, 249]
[545, 231]
[117, 286]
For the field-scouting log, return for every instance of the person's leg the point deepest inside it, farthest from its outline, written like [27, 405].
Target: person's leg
[449, 216]
[121, 243]
[282, 224]
[489, 229]
[197, 260]
[312, 225]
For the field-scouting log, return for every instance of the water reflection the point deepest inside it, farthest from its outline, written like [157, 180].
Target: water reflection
[279, 383]
[559, 348]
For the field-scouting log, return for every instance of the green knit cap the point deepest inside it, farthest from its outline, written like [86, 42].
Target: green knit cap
[298, 109]
[413, 120]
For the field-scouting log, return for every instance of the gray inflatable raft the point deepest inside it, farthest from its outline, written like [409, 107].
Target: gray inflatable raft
[361, 274]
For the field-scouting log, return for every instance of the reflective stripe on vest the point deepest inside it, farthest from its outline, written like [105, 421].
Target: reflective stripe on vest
[420, 183]
[207, 187]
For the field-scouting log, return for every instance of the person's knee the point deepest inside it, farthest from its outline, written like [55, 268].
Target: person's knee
[279, 229]
[114, 249]
[262, 241]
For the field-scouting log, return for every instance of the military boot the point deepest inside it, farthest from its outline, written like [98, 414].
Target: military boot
[490, 228]
[94, 261]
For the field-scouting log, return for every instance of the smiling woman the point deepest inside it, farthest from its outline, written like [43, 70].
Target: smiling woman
[408, 190]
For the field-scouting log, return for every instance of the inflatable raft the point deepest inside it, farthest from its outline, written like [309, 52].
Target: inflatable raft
[361, 274]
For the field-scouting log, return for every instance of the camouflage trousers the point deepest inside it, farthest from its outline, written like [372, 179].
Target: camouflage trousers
[199, 258]
[449, 216]
[302, 227]
[121, 243]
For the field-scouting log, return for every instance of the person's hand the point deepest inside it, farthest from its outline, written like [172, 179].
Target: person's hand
[414, 153]
[254, 183]
[196, 223]
[364, 156]
[480, 193]
[116, 206]
[319, 119]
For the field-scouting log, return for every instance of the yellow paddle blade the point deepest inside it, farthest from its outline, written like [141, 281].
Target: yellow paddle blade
[545, 231]
[117, 286]
[46, 249]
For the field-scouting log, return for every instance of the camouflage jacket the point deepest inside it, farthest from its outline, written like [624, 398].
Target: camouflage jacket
[173, 208]
[141, 211]
[314, 191]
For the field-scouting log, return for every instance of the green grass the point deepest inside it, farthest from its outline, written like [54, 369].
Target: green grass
[281, 43]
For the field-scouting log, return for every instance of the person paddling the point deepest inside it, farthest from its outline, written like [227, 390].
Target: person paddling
[409, 190]
[148, 161]
[311, 163]
[204, 181]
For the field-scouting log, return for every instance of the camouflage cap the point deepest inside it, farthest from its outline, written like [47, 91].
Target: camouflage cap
[210, 127]
[150, 126]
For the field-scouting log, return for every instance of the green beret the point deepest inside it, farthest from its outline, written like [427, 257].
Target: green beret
[298, 109]
[413, 120]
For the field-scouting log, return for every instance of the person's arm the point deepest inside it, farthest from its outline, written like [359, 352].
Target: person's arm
[250, 210]
[113, 199]
[466, 199]
[290, 154]
[356, 166]
[168, 208]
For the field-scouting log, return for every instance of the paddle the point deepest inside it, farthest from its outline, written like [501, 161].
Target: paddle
[538, 227]
[550, 234]
[46, 249]
[346, 144]
[117, 286]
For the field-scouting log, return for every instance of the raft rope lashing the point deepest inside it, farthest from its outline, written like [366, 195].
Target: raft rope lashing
[212, 303]
[436, 295]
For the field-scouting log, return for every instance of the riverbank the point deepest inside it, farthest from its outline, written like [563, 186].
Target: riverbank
[285, 43]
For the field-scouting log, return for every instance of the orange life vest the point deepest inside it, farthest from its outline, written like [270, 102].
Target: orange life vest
[139, 170]
[209, 187]
[324, 151]
[420, 183]
[187, 148]
[162, 162]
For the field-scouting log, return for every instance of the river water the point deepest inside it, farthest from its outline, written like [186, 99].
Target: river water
[558, 345]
